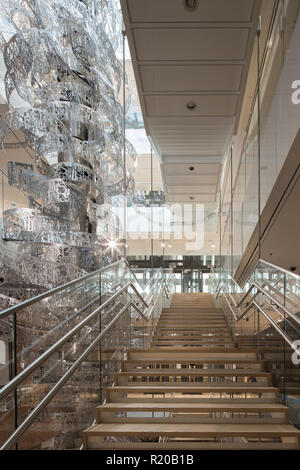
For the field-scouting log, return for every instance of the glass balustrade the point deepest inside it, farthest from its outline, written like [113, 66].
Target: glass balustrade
[44, 337]
[265, 315]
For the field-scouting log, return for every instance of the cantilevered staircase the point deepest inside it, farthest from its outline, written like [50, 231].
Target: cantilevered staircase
[192, 389]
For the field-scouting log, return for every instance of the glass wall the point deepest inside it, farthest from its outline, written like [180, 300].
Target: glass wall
[272, 128]
[267, 321]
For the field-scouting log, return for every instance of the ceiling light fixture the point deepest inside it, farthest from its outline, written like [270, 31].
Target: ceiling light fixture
[191, 105]
[191, 5]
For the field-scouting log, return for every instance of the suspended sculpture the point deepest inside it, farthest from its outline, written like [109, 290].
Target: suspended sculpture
[64, 86]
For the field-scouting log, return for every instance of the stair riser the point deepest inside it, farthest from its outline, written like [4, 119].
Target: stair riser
[95, 438]
[189, 356]
[186, 338]
[199, 330]
[94, 443]
[185, 397]
[191, 308]
[195, 310]
[189, 344]
[186, 325]
[130, 366]
[191, 323]
[201, 339]
[191, 419]
[195, 319]
[190, 434]
[115, 398]
[159, 381]
[192, 341]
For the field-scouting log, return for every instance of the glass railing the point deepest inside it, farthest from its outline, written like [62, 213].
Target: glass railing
[265, 315]
[64, 348]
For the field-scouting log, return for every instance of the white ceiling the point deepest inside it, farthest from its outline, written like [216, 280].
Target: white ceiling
[200, 56]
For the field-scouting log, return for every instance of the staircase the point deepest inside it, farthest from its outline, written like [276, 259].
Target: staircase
[192, 389]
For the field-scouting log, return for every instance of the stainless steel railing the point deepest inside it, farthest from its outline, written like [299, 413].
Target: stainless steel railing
[160, 284]
[235, 306]
[18, 433]
[26, 303]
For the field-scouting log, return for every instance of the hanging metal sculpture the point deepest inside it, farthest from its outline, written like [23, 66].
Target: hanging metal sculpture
[63, 84]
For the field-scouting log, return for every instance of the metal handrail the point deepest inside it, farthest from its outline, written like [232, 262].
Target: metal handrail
[37, 298]
[13, 383]
[265, 314]
[267, 263]
[277, 268]
[148, 281]
[18, 433]
[260, 289]
[167, 292]
[26, 303]
[274, 324]
[160, 283]
[274, 307]
[278, 292]
[253, 303]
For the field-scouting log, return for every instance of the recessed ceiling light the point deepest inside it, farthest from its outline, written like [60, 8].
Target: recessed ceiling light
[191, 4]
[191, 105]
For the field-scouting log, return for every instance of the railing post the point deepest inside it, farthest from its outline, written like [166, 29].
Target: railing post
[284, 342]
[258, 330]
[130, 328]
[100, 328]
[15, 371]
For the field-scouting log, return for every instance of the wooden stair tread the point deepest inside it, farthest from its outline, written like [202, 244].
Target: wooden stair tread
[197, 361]
[210, 350]
[192, 429]
[191, 322]
[182, 407]
[188, 387]
[191, 337]
[192, 334]
[195, 315]
[170, 371]
[185, 328]
[187, 343]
